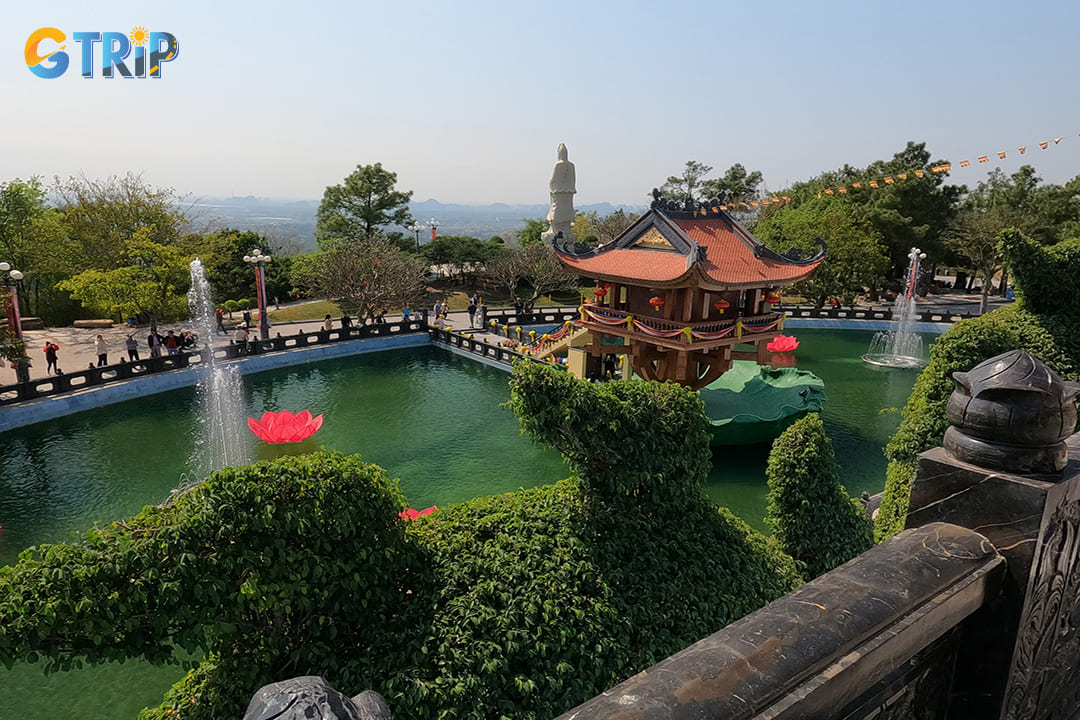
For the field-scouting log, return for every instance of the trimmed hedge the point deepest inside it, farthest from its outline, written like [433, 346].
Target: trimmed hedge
[520, 605]
[813, 518]
[1045, 321]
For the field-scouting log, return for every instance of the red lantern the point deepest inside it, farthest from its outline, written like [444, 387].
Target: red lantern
[721, 305]
[599, 292]
[773, 299]
[657, 302]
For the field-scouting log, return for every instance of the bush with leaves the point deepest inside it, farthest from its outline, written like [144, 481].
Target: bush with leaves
[520, 605]
[812, 516]
[272, 569]
[1045, 321]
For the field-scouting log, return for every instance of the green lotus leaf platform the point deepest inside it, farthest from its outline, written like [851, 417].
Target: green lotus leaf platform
[752, 404]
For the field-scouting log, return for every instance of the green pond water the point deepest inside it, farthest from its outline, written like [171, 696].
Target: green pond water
[430, 418]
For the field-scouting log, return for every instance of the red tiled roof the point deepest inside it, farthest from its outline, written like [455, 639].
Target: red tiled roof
[729, 259]
[645, 264]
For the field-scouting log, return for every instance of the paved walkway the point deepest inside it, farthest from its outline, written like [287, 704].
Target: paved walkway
[77, 350]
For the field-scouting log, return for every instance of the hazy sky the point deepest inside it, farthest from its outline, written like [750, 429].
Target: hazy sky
[468, 100]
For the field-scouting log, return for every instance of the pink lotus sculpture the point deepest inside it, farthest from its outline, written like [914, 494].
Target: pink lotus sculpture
[783, 343]
[285, 427]
[410, 514]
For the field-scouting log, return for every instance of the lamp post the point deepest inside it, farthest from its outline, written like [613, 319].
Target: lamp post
[433, 224]
[259, 260]
[11, 299]
[416, 228]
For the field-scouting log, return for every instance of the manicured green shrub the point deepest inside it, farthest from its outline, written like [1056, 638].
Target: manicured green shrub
[812, 517]
[1046, 280]
[520, 605]
[622, 439]
[270, 568]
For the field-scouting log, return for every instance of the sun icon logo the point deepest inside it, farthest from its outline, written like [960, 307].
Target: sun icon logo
[139, 36]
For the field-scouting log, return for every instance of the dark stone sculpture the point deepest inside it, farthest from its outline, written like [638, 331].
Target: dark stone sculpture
[1011, 413]
[310, 696]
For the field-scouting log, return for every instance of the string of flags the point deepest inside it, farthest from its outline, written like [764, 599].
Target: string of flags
[945, 167]
[782, 199]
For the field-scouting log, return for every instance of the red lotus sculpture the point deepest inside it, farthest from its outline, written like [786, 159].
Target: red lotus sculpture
[285, 427]
[410, 514]
[783, 343]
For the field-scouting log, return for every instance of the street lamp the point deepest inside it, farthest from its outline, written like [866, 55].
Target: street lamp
[259, 260]
[433, 223]
[416, 228]
[11, 299]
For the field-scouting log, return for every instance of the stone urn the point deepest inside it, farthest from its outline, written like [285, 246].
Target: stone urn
[1011, 413]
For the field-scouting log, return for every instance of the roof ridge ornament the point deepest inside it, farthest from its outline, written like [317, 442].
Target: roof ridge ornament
[793, 255]
[689, 208]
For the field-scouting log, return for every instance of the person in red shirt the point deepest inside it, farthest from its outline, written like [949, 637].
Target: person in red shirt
[172, 343]
[50, 357]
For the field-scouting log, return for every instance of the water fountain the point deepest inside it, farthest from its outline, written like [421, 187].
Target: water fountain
[901, 347]
[223, 439]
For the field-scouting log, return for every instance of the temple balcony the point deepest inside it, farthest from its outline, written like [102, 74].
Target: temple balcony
[676, 335]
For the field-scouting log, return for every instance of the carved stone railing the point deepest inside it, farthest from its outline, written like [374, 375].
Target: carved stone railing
[845, 645]
[123, 371]
[865, 313]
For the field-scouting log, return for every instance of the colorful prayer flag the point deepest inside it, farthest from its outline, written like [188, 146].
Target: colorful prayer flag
[889, 181]
[873, 183]
[1057, 140]
[984, 158]
[1022, 149]
[965, 163]
[1044, 144]
[1001, 154]
[919, 173]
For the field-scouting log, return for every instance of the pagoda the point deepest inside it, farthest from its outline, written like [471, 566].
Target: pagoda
[684, 291]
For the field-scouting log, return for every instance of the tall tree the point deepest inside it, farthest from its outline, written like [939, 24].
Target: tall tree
[612, 225]
[531, 233]
[685, 186]
[101, 216]
[365, 202]
[543, 272]
[461, 253]
[908, 211]
[367, 275]
[152, 280]
[1043, 212]
[32, 240]
[233, 279]
[736, 185]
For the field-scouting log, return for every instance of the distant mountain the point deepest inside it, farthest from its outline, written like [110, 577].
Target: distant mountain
[294, 220]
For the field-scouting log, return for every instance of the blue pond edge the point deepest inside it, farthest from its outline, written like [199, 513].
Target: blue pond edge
[53, 407]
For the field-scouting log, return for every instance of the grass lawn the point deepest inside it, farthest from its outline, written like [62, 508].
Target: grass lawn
[306, 311]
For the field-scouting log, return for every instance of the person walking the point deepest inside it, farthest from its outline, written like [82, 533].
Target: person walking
[406, 313]
[132, 346]
[50, 357]
[102, 350]
[472, 309]
[328, 323]
[219, 315]
[153, 341]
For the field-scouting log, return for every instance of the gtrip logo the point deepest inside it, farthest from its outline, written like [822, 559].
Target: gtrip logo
[46, 58]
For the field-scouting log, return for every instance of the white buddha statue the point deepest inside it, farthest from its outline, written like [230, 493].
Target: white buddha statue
[562, 187]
